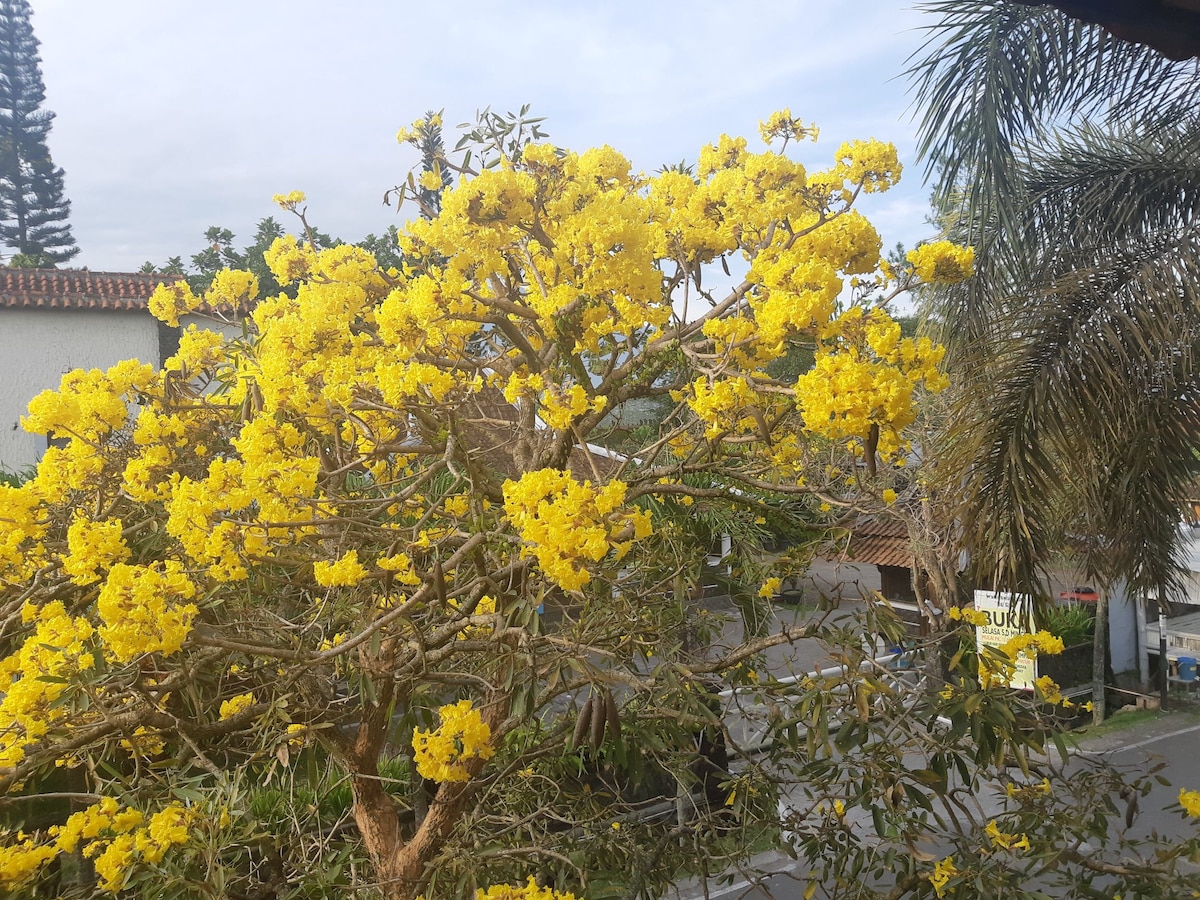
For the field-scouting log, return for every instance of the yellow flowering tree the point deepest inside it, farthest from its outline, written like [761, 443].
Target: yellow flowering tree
[353, 601]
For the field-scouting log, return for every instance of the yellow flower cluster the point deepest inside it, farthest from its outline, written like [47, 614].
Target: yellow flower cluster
[560, 407]
[1042, 789]
[232, 288]
[170, 301]
[528, 891]
[21, 527]
[345, 572]
[90, 405]
[401, 567]
[235, 705]
[34, 679]
[114, 839]
[942, 262]
[273, 481]
[288, 260]
[431, 180]
[872, 164]
[1032, 644]
[1049, 690]
[770, 587]
[1190, 801]
[723, 404]
[290, 200]
[442, 754]
[568, 524]
[142, 610]
[943, 871]
[866, 375]
[1003, 841]
[1001, 670]
[781, 124]
[976, 617]
[21, 860]
[93, 546]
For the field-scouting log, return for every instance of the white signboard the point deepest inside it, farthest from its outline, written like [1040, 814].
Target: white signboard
[1007, 616]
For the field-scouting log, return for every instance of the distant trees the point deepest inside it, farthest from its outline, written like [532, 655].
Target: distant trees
[33, 210]
[220, 253]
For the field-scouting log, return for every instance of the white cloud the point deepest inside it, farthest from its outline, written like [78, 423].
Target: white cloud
[175, 116]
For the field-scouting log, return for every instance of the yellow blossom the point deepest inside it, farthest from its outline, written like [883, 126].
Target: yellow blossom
[976, 617]
[568, 524]
[345, 572]
[1004, 841]
[236, 705]
[942, 262]
[528, 891]
[943, 871]
[290, 200]
[443, 753]
[142, 610]
[1190, 801]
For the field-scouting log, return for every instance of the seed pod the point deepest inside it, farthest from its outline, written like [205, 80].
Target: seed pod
[582, 724]
[599, 720]
[861, 702]
[614, 717]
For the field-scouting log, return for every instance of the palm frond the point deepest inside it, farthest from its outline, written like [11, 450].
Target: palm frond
[1088, 399]
[992, 77]
[1096, 188]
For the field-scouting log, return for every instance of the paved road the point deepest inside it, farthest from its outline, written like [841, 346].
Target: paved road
[1172, 738]
[1179, 748]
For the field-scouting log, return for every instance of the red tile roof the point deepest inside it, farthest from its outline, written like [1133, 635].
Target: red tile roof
[878, 543]
[77, 289]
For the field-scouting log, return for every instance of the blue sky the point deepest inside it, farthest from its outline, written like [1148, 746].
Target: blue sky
[173, 116]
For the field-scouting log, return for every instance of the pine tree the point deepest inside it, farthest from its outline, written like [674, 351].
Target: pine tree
[33, 210]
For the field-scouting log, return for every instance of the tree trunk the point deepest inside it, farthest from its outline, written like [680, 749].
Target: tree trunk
[400, 865]
[378, 821]
[1099, 656]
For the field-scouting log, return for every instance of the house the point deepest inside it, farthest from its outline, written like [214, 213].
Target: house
[885, 544]
[53, 321]
[1181, 625]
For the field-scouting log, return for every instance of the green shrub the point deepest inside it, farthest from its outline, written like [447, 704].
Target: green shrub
[1073, 622]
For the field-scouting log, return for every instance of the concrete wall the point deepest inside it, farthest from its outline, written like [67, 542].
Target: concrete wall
[1123, 637]
[1191, 562]
[37, 346]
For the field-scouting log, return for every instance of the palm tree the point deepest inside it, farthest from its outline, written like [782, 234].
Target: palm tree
[1071, 160]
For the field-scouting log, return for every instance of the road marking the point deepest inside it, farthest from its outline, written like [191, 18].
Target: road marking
[726, 891]
[1139, 744]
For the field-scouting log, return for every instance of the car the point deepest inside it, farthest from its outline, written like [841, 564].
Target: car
[1080, 594]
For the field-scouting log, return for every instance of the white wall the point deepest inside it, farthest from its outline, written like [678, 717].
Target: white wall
[229, 330]
[37, 346]
[1190, 557]
[1123, 635]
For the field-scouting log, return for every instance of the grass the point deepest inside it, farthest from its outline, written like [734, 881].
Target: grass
[1129, 719]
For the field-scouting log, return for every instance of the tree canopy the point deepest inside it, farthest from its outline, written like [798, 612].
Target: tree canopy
[33, 207]
[1066, 157]
[347, 601]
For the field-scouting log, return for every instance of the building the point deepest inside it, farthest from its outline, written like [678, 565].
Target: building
[53, 321]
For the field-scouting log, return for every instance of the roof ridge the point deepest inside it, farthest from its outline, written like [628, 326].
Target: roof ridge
[78, 288]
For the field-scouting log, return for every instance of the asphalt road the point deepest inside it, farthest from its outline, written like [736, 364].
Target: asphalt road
[1173, 739]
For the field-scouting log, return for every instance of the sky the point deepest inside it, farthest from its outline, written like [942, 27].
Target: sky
[176, 115]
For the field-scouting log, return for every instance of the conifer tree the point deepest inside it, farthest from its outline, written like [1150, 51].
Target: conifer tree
[33, 210]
